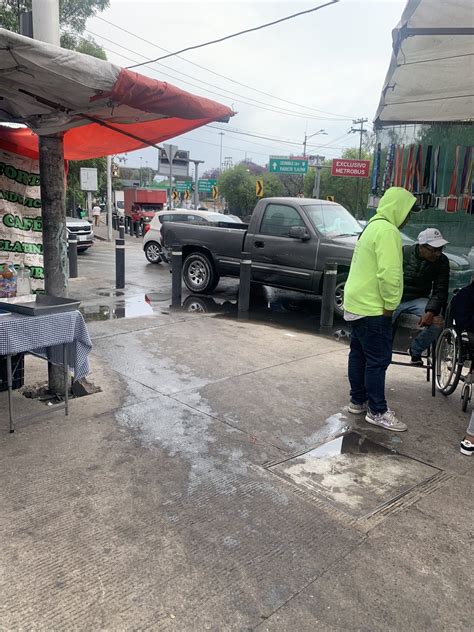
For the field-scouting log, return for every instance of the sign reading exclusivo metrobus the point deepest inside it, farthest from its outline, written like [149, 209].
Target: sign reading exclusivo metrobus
[350, 168]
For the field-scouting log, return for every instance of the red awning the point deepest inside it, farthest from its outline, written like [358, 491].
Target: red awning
[99, 107]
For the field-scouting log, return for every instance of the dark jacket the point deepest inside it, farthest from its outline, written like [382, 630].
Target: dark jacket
[423, 279]
[463, 308]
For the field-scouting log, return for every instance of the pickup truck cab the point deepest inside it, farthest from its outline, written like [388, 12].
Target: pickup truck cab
[289, 240]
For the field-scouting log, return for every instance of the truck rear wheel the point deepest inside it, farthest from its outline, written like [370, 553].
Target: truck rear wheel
[199, 274]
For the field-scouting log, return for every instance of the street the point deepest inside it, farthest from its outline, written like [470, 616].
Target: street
[217, 481]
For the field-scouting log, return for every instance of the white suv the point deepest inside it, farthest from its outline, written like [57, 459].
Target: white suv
[152, 239]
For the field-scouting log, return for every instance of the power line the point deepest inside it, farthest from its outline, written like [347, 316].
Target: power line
[342, 117]
[251, 30]
[235, 94]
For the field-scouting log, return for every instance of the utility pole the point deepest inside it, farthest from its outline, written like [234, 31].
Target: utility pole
[306, 138]
[196, 182]
[361, 131]
[221, 134]
[317, 179]
[45, 20]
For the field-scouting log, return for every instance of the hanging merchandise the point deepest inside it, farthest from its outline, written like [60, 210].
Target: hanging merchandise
[452, 200]
[375, 170]
[434, 174]
[387, 175]
[466, 174]
[417, 183]
[409, 171]
[399, 167]
[427, 196]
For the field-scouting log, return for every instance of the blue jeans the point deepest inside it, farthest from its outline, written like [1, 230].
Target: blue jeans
[428, 334]
[369, 357]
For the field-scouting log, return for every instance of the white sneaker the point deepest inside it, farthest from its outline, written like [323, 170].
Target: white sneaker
[386, 420]
[357, 409]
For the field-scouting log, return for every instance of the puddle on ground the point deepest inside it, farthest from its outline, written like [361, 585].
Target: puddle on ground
[115, 293]
[128, 307]
[354, 474]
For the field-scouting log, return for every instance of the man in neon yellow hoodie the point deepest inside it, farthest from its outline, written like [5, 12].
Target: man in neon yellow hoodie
[372, 292]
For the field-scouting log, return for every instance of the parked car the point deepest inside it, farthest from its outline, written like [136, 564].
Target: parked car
[290, 240]
[83, 229]
[152, 239]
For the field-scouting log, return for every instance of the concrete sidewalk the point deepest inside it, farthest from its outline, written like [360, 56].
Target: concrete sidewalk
[183, 497]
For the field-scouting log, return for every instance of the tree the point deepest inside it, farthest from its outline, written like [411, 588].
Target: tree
[74, 194]
[237, 185]
[73, 15]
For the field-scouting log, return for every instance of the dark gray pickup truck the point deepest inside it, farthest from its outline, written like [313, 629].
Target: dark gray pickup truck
[289, 241]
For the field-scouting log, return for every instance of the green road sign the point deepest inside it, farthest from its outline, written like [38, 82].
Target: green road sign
[205, 186]
[287, 165]
[183, 186]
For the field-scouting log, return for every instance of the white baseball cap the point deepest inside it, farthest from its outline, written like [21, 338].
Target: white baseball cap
[432, 237]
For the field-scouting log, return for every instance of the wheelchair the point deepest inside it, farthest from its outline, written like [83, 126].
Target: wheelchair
[455, 361]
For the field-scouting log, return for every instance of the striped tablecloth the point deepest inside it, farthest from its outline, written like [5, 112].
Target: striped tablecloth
[40, 336]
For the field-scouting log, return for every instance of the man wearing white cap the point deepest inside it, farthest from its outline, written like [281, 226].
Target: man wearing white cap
[425, 288]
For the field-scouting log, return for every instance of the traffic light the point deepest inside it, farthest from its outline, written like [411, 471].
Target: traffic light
[115, 170]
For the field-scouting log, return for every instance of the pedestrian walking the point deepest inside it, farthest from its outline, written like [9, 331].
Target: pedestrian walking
[96, 214]
[372, 293]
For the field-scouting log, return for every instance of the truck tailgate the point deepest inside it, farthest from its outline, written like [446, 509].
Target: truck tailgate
[225, 244]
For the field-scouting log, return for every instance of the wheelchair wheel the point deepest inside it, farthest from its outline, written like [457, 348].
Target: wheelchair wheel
[448, 362]
[466, 396]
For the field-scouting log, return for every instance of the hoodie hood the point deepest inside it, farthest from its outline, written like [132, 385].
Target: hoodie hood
[395, 205]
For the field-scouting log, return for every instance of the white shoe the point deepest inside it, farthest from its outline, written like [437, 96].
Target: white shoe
[357, 409]
[386, 420]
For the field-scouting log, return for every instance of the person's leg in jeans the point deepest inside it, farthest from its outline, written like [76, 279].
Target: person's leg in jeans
[467, 444]
[427, 335]
[357, 364]
[377, 345]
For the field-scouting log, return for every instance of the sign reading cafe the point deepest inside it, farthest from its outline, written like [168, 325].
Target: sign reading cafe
[20, 215]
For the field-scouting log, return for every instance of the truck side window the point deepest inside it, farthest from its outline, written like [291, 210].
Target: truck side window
[278, 219]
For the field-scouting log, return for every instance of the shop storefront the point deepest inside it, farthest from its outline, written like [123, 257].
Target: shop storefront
[424, 123]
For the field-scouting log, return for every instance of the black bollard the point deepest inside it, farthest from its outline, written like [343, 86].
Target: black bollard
[176, 271]
[121, 229]
[120, 263]
[72, 255]
[114, 222]
[329, 293]
[244, 284]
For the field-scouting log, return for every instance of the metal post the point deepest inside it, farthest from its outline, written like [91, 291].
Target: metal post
[72, 254]
[46, 21]
[66, 379]
[119, 263]
[196, 184]
[109, 198]
[329, 292]
[176, 271]
[244, 284]
[170, 196]
[121, 229]
[10, 392]
[89, 204]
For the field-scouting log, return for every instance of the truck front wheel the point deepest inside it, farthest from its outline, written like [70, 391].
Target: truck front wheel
[199, 274]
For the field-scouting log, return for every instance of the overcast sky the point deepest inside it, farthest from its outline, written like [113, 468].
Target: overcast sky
[331, 63]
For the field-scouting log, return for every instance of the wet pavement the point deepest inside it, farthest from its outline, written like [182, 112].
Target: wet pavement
[218, 481]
